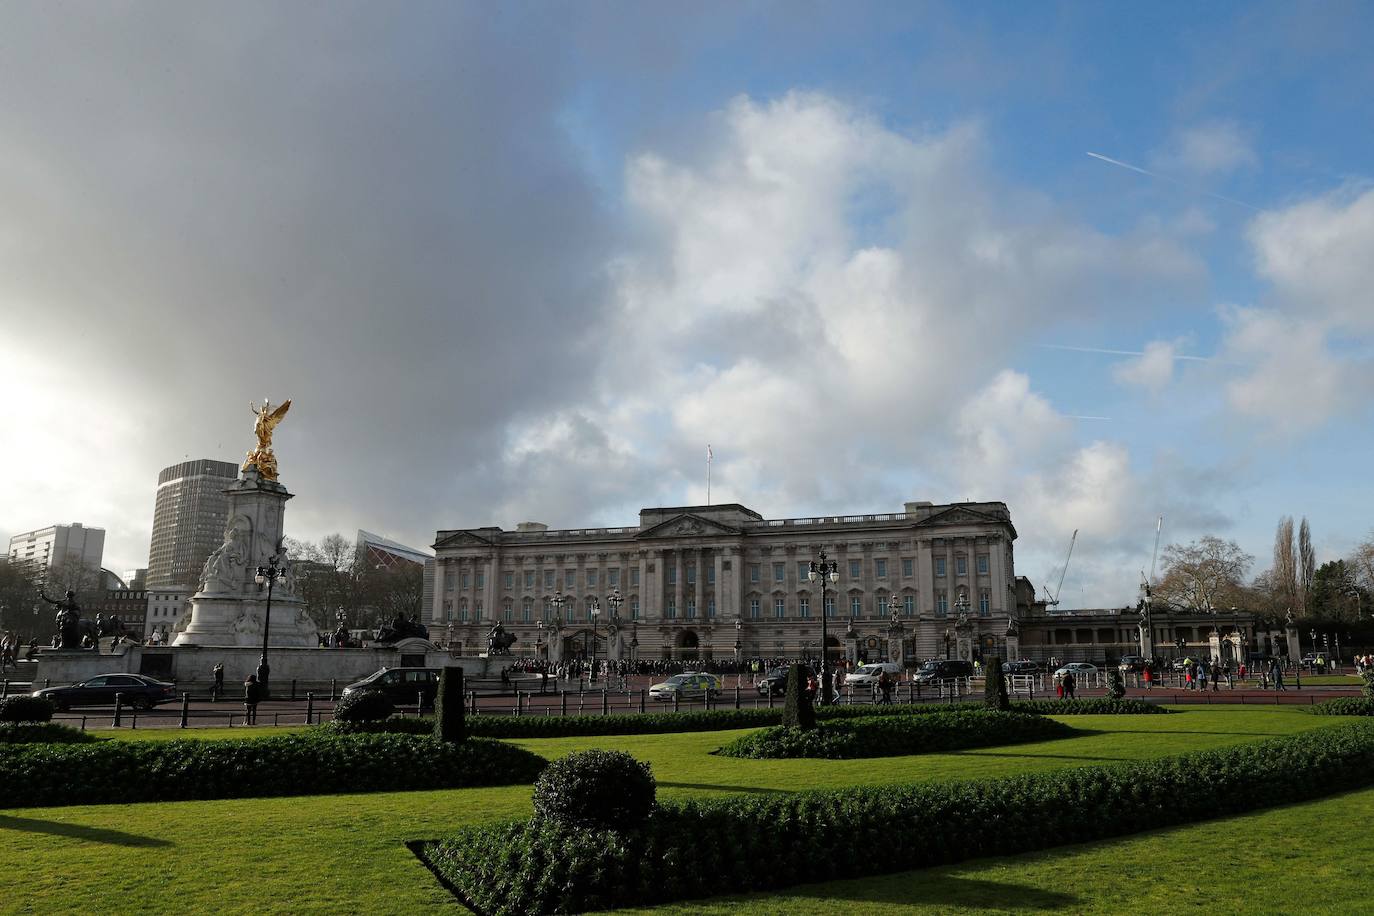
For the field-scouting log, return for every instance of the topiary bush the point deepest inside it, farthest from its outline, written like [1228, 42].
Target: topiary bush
[364, 706]
[25, 708]
[1116, 687]
[596, 789]
[995, 685]
[797, 711]
[891, 736]
[449, 708]
[1367, 687]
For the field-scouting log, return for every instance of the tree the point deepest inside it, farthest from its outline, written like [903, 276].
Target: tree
[1284, 575]
[1362, 562]
[19, 604]
[1204, 575]
[1307, 565]
[1336, 595]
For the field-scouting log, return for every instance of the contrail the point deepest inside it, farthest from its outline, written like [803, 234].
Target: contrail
[1201, 359]
[1074, 416]
[1186, 187]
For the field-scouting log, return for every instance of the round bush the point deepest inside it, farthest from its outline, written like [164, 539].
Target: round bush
[596, 788]
[26, 709]
[43, 733]
[364, 706]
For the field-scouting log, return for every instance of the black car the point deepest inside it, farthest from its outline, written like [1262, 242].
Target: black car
[774, 683]
[136, 690]
[943, 669]
[401, 685]
[1021, 666]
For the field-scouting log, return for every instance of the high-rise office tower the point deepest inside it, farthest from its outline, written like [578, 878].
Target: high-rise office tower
[188, 520]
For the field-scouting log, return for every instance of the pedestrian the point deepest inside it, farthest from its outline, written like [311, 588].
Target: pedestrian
[1216, 676]
[219, 680]
[1069, 683]
[1059, 686]
[1148, 676]
[1202, 677]
[885, 685]
[252, 695]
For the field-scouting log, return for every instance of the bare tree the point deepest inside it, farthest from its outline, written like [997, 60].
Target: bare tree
[1307, 566]
[1204, 575]
[1362, 561]
[1284, 576]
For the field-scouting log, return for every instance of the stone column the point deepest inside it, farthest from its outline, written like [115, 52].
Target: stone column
[650, 586]
[718, 590]
[679, 584]
[490, 611]
[442, 567]
[1290, 632]
[642, 589]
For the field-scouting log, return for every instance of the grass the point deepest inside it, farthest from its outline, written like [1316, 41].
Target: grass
[344, 853]
[1274, 861]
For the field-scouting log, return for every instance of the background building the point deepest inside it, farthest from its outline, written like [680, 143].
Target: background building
[62, 556]
[698, 579]
[188, 520]
[136, 578]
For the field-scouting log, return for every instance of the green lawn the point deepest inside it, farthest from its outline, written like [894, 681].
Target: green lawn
[344, 853]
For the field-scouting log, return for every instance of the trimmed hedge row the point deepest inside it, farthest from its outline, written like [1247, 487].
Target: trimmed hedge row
[43, 732]
[893, 736]
[1096, 706]
[298, 764]
[1344, 706]
[749, 842]
[649, 723]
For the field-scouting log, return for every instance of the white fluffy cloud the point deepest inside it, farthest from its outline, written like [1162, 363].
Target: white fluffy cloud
[1153, 370]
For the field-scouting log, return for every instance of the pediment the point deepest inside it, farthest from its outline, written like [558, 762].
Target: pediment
[686, 525]
[959, 515]
[461, 539]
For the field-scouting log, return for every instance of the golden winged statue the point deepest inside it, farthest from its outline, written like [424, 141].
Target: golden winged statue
[268, 418]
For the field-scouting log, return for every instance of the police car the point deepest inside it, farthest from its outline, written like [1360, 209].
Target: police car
[689, 685]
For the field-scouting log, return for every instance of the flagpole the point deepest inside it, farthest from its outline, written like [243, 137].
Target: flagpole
[708, 475]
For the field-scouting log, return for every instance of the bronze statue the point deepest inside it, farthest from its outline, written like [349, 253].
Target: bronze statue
[499, 641]
[262, 457]
[68, 619]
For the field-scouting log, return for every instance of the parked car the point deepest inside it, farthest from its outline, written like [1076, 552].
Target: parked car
[775, 681]
[1079, 669]
[401, 685]
[136, 690]
[1021, 666]
[1131, 663]
[868, 675]
[942, 669]
[686, 686]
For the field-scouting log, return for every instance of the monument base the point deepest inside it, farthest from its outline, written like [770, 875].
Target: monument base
[230, 621]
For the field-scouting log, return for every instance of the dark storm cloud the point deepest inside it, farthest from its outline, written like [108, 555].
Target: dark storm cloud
[368, 208]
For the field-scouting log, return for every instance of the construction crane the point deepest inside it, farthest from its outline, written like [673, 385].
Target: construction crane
[1054, 601]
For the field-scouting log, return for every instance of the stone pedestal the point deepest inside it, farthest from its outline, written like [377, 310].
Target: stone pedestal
[1147, 643]
[1013, 647]
[230, 608]
[1214, 646]
[1294, 646]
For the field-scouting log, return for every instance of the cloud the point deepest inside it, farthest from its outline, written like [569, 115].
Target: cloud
[1211, 148]
[1153, 370]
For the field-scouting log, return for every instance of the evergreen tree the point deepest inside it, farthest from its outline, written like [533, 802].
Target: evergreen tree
[797, 710]
[995, 684]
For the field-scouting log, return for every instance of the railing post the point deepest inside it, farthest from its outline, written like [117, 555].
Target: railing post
[562, 702]
[293, 688]
[332, 696]
[737, 695]
[185, 708]
[642, 692]
[605, 702]
[119, 704]
[676, 701]
[519, 703]
[310, 708]
[770, 698]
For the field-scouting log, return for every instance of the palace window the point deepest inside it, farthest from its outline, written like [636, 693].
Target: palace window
[909, 605]
[591, 578]
[855, 567]
[527, 612]
[908, 567]
[613, 578]
[691, 609]
[961, 565]
[710, 574]
[710, 607]
[856, 607]
[634, 576]
[753, 572]
[939, 567]
[508, 613]
[448, 580]
[982, 564]
[829, 606]
[941, 604]
[754, 608]
[509, 581]
[529, 578]
[634, 608]
[477, 611]
[984, 603]
[881, 601]
[779, 572]
[779, 608]
[672, 575]
[463, 611]
[466, 580]
[481, 580]
[548, 578]
[804, 608]
[569, 579]
[670, 609]
[880, 568]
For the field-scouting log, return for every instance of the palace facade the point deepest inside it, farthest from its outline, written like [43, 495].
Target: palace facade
[723, 582]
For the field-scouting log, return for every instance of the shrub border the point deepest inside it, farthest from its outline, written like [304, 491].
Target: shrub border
[1343, 706]
[695, 849]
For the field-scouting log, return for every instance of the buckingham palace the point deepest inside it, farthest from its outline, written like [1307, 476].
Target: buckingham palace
[722, 582]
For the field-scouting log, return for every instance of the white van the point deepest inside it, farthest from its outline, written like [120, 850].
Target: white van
[867, 675]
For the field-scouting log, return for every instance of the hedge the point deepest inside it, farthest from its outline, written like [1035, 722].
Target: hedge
[595, 788]
[25, 708]
[892, 736]
[44, 733]
[1097, 706]
[1344, 706]
[749, 842]
[297, 764]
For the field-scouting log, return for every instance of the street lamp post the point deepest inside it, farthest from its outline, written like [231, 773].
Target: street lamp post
[267, 575]
[1313, 634]
[594, 613]
[739, 628]
[614, 600]
[946, 643]
[825, 571]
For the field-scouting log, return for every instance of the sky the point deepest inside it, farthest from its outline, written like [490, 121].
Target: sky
[525, 261]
